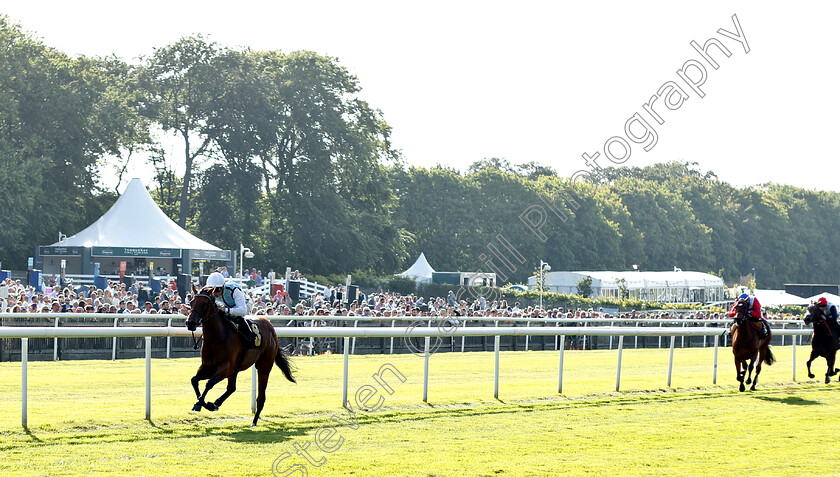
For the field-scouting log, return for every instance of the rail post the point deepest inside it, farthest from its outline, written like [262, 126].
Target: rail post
[114, 345]
[346, 371]
[148, 378]
[496, 379]
[671, 360]
[714, 368]
[55, 342]
[24, 365]
[168, 339]
[426, 368]
[794, 357]
[618, 368]
[560, 378]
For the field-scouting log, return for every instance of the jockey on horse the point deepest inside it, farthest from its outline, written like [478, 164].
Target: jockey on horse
[231, 299]
[754, 314]
[830, 312]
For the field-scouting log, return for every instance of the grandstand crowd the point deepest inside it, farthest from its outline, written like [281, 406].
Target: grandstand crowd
[135, 299]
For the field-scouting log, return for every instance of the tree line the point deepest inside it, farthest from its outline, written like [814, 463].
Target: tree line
[282, 153]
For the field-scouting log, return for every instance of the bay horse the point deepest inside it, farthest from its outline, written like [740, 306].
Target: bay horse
[223, 353]
[747, 345]
[824, 341]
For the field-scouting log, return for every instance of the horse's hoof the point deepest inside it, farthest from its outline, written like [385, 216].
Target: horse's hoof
[810, 375]
[748, 381]
[827, 379]
[752, 388]
[197, 407]
[742, 387]
[211, 406]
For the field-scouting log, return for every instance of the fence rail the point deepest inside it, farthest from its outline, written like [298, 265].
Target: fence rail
[26, 332]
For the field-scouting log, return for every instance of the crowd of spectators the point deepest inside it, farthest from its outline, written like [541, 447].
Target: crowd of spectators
[115, 298]
[135, 299]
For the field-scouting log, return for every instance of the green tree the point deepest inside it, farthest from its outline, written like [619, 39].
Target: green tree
[584, 287]
[176, 80]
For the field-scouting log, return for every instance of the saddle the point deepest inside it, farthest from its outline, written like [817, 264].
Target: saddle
[250, 324]
[759, 324]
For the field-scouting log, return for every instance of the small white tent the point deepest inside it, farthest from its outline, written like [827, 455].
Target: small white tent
[828, 296]
[420, 272]
[778, 298]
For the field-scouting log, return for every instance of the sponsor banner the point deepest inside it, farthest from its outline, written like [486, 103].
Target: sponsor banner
[136, 252]
[210, 255]
[60, 251]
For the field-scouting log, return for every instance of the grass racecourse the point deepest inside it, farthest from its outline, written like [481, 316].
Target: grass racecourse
[87, 418]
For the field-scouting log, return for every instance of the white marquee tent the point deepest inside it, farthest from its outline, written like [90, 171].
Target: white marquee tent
[135, 220]
[420, 272]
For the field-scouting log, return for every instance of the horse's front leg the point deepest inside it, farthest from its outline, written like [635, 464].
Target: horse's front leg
[231, 387]
[219, 375]
[204, 372]
[739, 375]
[814, 355]
[750, 370]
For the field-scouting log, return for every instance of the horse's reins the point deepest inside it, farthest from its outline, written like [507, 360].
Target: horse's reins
[201, 321]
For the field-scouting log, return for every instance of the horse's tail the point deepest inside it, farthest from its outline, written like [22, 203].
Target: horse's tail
[283, 363]
[769, 359]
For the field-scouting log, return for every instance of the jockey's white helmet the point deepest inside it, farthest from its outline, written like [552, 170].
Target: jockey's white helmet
[216, 279]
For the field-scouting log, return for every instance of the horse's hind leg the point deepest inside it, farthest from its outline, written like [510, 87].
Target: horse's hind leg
[757, 371]
[264, 366]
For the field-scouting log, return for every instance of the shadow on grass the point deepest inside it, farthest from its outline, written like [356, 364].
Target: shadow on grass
[31, 435]
[792, 400]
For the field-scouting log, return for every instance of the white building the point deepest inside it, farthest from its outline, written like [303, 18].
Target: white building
[666, 287]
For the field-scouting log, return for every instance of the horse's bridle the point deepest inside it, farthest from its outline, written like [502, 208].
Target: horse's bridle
[210, 310]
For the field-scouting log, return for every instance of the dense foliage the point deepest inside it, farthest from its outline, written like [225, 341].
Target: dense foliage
[282, 154]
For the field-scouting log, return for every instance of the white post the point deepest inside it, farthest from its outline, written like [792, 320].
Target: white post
[794, 357]
[705, 325]
[346, 371]
[426, 369]
[612, 323]
[618, 368]
[393, 323]
[636, 339]
[55, 342]
[148, 378]
[114, 346]
[660, 337]
[714, 370]
[560, 378]
[168, 339]
[254, 388]
[682, 338]
[584, 336]
[24, 364]
[783, 336]
[671, 360]
[463, 338]
[528, 325]
[496, 379]
[353, 347]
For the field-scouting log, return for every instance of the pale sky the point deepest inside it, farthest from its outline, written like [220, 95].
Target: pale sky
[531, 81]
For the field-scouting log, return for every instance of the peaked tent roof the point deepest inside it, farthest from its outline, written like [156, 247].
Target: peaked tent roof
[421, 271]
[135, 220]
[778, 298]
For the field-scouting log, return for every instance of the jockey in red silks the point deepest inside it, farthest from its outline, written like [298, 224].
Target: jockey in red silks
[755, 311]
